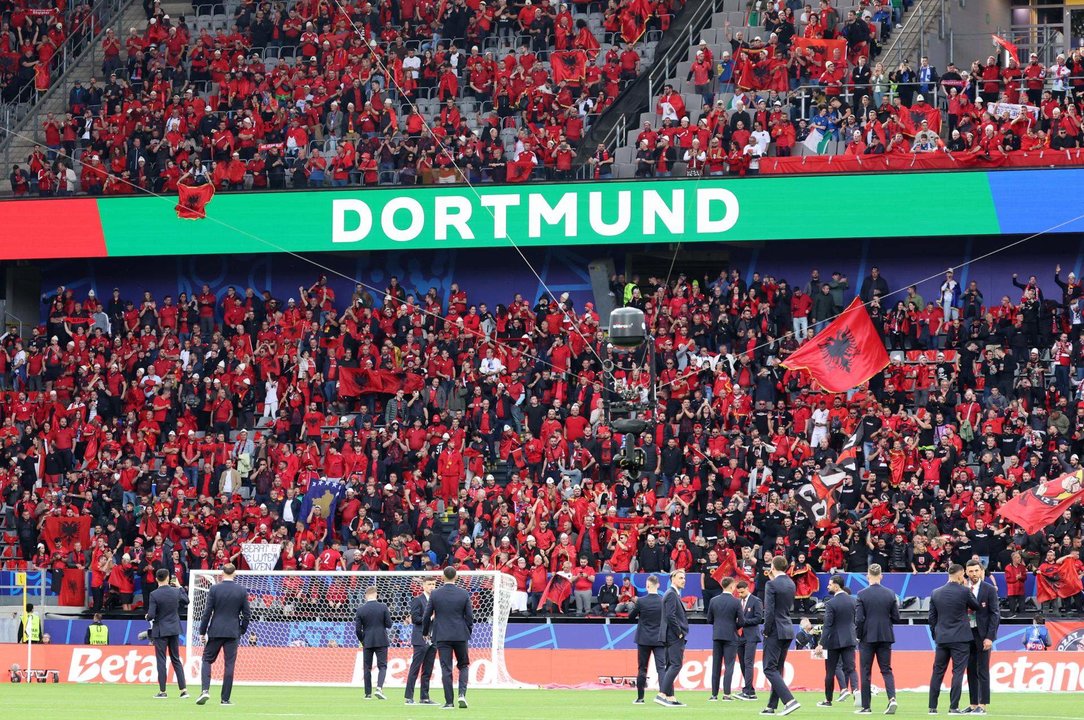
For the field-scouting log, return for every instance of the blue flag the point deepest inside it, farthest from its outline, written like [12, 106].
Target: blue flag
[325, 493]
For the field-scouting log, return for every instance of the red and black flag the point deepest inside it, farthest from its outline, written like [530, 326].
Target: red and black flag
[820, 496]
[558, 591]
[822, 50]
[845, 354]
[570, 65]
[60, 533]
[1043, 504]
[193, 200]
[911, 118]
[1062, 580]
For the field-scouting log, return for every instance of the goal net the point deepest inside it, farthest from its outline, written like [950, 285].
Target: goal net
[302, 627]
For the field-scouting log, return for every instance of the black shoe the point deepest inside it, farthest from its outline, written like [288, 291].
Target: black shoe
[462, 702]
[638, 701]
[933, 711]
[408, 701]
[447, 706]
[183, 695]
[661, 700]
[956, 711]
[203, 698]
[713, 698]
[745, 696]
[426, 701]
[160, 696]
[676, 703]
[727, 698]
[767, 711]
[824, 703]
[225, 702]
[863, 711]
[368, 697]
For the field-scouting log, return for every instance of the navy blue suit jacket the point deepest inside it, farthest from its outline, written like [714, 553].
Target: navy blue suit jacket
[877, 610]
[227, 612]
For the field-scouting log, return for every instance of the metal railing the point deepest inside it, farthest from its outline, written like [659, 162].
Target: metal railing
[913, 38]
[74, 50]
[1047, 41]
[37, 588]
[664, 67]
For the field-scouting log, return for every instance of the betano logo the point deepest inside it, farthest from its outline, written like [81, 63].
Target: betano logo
[648, 214]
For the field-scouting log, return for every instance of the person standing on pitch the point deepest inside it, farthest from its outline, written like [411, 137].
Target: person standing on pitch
[647, 613]
[876, 612]
[725, 617]
[778, 634]
[424, 653]
[984, 623]
[952, 635]
[164, 614]
[225, 619]
[748, 638]
[837, 638]
[448, 624]
[677, 632]
[371, 624]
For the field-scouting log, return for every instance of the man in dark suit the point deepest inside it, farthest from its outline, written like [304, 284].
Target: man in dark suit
[984, 624]
[725, 617]
[877, 610]
[448, 623]
[421, 662]
[647, 613]
[371, 624]
[778, 634]
[952, 635]
[837, 637]
[164, 614]
[677, 633]
[225, 619]
[748, 638]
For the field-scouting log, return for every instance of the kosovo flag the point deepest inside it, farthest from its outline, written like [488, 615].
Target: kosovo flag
[324, 493]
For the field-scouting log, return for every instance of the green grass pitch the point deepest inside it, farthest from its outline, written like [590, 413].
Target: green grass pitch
[100, 702]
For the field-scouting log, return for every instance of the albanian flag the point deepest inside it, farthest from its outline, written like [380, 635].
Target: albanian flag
[354, 382]
[1009, 47]
[558, 590]
[820, 496]
[73, 588]
[193, 201]
[822, 50]
[1043, 504]
[845, 354]
[60, 533]
[568, 66]
[806, 582]
[729, 567]
[1060, 580]
[911, 118]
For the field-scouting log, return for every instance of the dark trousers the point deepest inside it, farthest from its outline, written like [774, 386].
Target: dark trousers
[833, 659]
[958, 653]
[675, 657]
[380, 654]
[978, 674]
[170, 645]
[775, 659]
[420, 662]
[446, 650]
[723, 653]
[643, 654]
[228, 648]
[882, 651]
[747, 659]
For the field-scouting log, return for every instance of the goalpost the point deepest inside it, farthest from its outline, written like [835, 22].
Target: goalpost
[302, 627]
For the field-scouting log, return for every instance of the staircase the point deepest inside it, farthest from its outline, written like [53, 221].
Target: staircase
[912, 41]
[26, 131]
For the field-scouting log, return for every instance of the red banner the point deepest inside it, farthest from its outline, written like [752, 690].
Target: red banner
[193, 200]
[59, 533]
[1060, 580]
[1009, 47]
[73, 588]
[1009, 671]
[918, 162]
[911, 118]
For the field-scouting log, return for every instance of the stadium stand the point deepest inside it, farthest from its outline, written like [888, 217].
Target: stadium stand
[505, 93]
[185, 426]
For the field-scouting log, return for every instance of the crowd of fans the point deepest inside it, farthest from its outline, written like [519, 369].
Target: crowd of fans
[311, 94]
[32, 35]
[186, 426]
[338, 104]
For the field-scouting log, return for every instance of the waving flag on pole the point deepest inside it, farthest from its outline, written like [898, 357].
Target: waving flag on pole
[1008, 47]
[845, 354]
[820, 496]
[1043, 504]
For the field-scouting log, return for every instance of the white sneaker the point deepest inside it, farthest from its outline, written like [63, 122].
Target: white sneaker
[790, 707]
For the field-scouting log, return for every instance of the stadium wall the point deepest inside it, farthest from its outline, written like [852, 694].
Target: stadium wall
[1009, 672]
